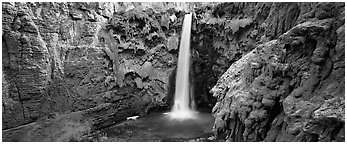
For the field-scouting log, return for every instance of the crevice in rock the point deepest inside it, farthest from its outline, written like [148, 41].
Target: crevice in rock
[21, 101]
[336, 131]
[275, 111]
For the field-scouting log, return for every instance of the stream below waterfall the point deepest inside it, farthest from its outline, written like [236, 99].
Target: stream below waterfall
[160, 128]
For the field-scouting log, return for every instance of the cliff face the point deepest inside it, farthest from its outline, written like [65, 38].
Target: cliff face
[65, 57]
[222, 34]
[291, 86]
[90, 65]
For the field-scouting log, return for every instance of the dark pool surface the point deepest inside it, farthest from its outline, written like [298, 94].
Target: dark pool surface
[160, 127]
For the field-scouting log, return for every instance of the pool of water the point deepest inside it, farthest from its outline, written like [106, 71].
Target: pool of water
[160, 127]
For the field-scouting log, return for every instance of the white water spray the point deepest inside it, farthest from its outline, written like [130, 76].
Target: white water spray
[184, 103]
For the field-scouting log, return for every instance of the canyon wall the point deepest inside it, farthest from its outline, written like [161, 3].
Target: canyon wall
[270, 71]
[60, 58]
[290, 86]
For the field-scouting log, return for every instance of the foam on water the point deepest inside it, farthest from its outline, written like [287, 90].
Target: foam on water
[182, 115]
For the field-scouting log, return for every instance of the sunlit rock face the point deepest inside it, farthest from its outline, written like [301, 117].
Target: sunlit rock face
[290, 87]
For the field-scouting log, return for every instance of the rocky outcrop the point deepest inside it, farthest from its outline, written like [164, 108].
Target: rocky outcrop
[103, 62]
[26, 58]
[65, 57]
[290, 88]
[221, 34]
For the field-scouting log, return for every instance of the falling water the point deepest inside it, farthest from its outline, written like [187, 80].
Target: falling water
[184, 103]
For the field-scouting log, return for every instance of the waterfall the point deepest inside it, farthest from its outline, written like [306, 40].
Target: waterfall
[184, 103]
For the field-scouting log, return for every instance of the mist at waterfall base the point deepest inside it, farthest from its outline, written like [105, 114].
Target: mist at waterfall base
[161, 127]
[183, 122]
[184, 106]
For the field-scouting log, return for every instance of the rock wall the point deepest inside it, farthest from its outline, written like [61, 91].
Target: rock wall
[64, 57]
[290, 87]
[218, 40]
[107, 61]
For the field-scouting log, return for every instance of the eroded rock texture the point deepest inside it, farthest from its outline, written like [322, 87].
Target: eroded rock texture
[222, 34]
[90, 65]
[291, 86]
[66, 57]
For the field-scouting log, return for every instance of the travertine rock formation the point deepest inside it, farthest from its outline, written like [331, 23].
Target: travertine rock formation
[290, 88]
[65, 57]
[89, 65]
